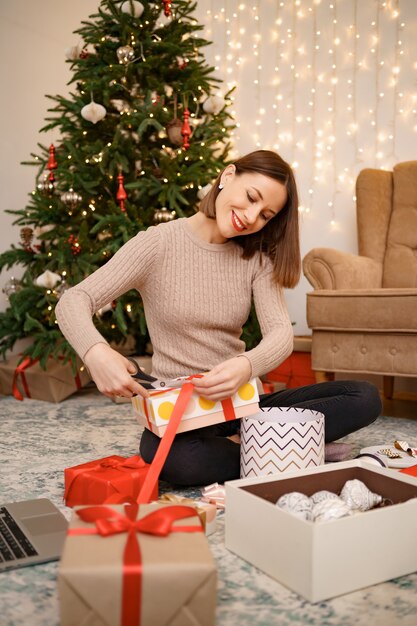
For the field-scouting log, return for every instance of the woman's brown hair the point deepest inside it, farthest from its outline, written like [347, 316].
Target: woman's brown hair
[279, 239]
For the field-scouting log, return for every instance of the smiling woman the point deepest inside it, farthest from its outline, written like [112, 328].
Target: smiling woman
[245, 197]
[197, 278]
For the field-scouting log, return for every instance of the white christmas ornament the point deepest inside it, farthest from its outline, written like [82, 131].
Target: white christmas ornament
[332, 508]
[296, 503]
[134, 8]
[214, 104]
[40, 230]
[104, 309]
[93, 112]
[48, 279]
[121, 105]
[168, 90]
[320, 496]
[73, 52]
[204, 191]
[358, 497]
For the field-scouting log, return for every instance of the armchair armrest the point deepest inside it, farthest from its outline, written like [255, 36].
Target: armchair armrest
[326, 268]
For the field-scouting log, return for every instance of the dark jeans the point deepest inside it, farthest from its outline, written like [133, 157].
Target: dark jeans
[206, 455]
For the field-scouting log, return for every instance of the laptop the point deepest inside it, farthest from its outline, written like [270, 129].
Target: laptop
[32, 531]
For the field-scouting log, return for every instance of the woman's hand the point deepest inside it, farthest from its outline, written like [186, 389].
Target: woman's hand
[111, 372]
[225, 379]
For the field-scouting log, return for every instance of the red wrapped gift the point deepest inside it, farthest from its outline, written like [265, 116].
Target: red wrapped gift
[113, 479]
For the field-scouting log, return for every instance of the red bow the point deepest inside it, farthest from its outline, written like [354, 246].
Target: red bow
[109, 522]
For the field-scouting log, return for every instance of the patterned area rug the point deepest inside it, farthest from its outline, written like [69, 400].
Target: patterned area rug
[38, 440]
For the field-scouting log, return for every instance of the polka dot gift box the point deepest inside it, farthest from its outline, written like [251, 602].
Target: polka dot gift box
[155, 411]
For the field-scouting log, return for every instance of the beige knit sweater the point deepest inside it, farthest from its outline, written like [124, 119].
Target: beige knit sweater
[196, 296]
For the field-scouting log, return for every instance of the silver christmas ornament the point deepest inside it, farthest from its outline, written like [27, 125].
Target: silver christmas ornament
[358, 497]
[321, 496]
[11, 286]
[71, 199]
[61, 288]
[296, 503]
[46, 187]
[125, 54]
[331, 508]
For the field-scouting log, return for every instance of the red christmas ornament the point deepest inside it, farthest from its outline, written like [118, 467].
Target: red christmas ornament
[75, 246]
[121, 195]
[52, 163]
[186, 130]
[167, 7]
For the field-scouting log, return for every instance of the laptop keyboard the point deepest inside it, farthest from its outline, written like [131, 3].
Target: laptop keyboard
[13, 542]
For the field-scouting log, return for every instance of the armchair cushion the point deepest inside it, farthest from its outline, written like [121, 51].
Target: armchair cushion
[357, 310]
[327, 268]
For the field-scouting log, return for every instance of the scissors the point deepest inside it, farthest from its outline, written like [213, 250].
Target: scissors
[150, 382]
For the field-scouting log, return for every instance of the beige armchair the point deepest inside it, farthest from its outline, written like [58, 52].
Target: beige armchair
[363, 310]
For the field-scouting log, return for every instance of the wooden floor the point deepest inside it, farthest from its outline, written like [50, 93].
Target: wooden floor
[401, 405]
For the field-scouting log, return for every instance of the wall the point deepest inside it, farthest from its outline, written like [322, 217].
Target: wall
[329, 84]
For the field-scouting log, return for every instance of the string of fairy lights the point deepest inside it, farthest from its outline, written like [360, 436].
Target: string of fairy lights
[329, 84]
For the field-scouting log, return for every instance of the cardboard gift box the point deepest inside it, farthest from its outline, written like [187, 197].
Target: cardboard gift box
[320, 560]
[155, 412]
[28, 379]
[112, 479]
[136, 565]
[206, 511]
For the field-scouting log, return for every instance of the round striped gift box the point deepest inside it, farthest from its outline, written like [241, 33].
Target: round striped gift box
[281, 439]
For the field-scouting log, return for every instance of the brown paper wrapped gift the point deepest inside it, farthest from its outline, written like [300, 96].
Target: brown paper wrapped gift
[115, 572]
[206, 511]
[28, 379]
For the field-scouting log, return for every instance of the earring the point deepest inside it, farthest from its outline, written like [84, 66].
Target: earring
[221, 186]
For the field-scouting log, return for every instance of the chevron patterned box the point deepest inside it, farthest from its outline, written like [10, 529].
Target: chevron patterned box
[321, 560]
[281, 439]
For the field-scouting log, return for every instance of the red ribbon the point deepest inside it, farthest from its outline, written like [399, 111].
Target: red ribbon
[109, 522]
[20, 370]
[134, 462]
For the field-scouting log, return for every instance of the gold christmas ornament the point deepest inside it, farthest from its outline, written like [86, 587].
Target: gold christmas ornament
[93, 112]
[48, 279]
[125, 54]
[71, 199]
[26, 236]
[133, 7]
[163, 215]
[214, 104]
[173, 129]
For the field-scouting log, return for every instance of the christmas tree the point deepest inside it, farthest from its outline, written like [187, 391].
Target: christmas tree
[143, 132]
